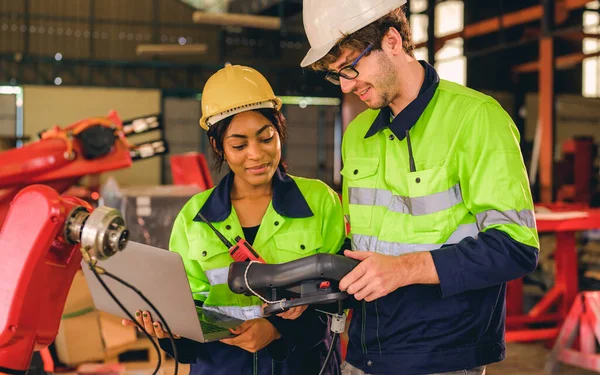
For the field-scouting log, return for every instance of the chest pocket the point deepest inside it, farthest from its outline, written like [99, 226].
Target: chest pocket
[361, 175]
[210, 253]
[295, 245]
[432, 198]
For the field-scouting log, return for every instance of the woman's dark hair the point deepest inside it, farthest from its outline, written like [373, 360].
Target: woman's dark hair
[217, 132]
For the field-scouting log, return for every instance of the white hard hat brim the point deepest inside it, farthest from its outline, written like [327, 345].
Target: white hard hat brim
[316, 54]
[370, 13]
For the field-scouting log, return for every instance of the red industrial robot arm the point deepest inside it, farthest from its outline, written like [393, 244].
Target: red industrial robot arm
[89, 146]
[40, 252]
[64, 155]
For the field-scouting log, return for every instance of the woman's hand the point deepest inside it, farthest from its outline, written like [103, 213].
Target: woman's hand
[154, 329]
[253, 335]
[292, 313]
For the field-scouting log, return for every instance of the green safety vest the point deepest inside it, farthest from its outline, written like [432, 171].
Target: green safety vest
[279, 239]
[469, 177]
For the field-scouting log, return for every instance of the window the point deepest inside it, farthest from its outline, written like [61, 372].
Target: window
[450, 63]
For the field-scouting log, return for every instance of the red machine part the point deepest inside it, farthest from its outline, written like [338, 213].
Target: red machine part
[37, 265]
[566, 285]
[191, 169]
[575, 171]
[56, 160]
[576, 343]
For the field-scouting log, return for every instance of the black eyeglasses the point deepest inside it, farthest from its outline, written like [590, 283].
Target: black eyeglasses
[348, 71]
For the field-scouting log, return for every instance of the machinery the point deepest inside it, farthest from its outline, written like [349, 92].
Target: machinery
[44, 236]
[64, 155]
[42, 233]
[40, 251]
[310, 280]
[313, 280]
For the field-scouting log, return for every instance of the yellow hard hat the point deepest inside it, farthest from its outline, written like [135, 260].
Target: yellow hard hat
[232, 90]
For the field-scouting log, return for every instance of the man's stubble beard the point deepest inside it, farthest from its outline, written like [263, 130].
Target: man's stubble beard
[385, 83]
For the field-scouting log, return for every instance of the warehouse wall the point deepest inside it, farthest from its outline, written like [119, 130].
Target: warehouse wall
[309, 150]
[575, 116]
[95, 45]
[8, 111]
[116, 29]
[182, 131]
[310, 145]
[46, 106]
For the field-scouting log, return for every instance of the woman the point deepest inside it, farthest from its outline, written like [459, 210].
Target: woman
[284, 217]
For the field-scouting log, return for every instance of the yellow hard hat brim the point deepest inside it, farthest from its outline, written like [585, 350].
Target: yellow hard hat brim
[207, 121]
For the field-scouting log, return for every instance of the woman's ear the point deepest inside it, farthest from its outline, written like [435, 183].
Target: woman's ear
[213, 144]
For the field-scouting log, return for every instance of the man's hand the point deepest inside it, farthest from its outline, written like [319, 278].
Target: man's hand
[253, 335]
[378, 275]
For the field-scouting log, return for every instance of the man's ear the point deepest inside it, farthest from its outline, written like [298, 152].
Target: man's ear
[392, 41]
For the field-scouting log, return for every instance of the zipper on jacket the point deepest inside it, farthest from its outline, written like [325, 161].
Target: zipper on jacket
[411, 159]
[364, 327]
[255, 356]
[377, 331]
[272, 367]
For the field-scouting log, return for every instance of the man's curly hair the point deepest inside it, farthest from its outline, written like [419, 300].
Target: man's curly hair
[371, 34]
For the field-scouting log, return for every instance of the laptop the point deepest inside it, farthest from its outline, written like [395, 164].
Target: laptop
[160, 276]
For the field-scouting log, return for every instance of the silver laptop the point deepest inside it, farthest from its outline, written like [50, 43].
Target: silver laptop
[160, 275]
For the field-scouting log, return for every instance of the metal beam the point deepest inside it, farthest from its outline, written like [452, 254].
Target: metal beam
[562, 62]
[170, 49]
[35, 69]
[431, 41]
[97, 20]
[546, 107]
[516, 18]
[231, 19]
[291, 36]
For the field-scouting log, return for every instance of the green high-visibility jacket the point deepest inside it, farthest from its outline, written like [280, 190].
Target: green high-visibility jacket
[446, 175]
[304, 217]
[314, 224]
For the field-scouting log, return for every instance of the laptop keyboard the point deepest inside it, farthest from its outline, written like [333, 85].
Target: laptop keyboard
[211, 328]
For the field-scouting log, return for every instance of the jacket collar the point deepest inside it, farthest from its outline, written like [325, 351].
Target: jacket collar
[287, 199]
[408, 117]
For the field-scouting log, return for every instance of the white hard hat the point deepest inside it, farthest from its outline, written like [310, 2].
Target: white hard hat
[327, 21]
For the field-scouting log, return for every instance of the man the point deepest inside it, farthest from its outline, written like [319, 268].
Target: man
[436, 193]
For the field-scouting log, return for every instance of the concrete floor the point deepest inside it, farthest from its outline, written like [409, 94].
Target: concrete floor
[529, 359]
[521, 359]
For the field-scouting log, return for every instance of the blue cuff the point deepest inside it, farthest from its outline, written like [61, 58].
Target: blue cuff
[493, 258]
[447, 265]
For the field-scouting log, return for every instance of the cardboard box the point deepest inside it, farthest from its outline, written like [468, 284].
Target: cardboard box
[85, 334]
[86, 338]
[114, 333]
[79, 339]
[79, 298]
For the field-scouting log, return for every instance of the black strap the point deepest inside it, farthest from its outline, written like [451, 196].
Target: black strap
[12, 371]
